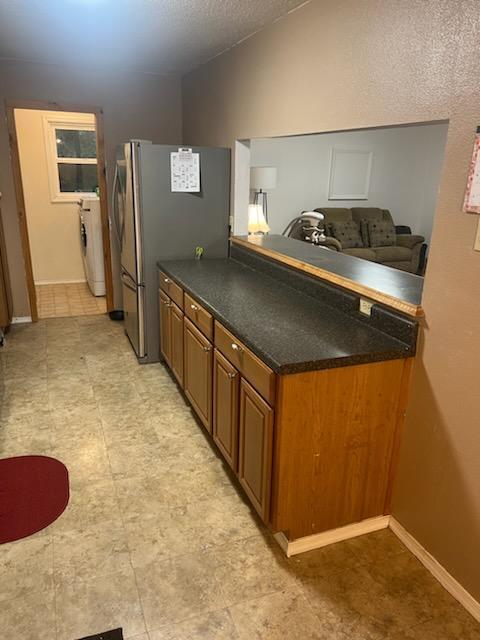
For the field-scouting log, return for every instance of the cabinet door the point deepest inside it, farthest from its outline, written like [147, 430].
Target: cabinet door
[176, 342]
[255, 448]
[226, 384]
[197, 372]
[165, 328]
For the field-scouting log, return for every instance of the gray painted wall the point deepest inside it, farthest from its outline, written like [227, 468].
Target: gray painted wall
[407, 162]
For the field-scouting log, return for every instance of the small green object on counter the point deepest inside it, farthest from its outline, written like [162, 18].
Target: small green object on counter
[198, 253]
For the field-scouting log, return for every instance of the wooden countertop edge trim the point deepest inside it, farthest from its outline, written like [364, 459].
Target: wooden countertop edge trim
[395, 303]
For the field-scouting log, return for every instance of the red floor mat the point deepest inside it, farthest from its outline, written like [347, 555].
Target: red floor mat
[34, 491]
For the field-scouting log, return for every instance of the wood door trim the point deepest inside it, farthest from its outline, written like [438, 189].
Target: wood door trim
[10, 106]
[5, 273]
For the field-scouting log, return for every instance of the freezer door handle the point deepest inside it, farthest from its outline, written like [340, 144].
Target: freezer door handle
[128, 282]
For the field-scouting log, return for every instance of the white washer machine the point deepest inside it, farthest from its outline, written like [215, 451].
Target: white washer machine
[91, 242]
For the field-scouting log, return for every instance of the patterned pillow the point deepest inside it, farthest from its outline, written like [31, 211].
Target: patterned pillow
[347, 233]
[364, 233]
[381, 233]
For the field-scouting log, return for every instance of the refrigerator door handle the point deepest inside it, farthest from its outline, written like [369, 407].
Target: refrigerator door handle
[115, 205]
[128, 282]
[141, 321]
[135, 162]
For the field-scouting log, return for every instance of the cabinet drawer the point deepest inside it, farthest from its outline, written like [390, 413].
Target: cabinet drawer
[252, 368]
[199, 316]
[171, 288]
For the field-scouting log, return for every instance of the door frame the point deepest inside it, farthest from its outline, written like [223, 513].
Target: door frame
[10, 106]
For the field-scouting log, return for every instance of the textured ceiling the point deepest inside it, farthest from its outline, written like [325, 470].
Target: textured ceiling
[159, 36]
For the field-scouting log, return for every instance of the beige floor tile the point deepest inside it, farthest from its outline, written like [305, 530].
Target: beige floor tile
[25, 566]
[89, 607]
[217, 625]
[192, 528]
[86, 463]
[81, 554]
[176, 589]
[278, 616]
[457, 624]
[249, 569]
[29, 617]
[76, 390]
[66, 300]
[91, 504]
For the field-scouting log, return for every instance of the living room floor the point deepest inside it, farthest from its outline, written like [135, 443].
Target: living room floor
[156, 538]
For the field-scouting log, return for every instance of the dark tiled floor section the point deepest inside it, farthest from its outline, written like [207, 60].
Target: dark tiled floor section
[156, 539]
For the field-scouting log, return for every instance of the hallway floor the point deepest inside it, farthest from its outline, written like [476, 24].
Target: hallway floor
[156, 539]
[68, 300]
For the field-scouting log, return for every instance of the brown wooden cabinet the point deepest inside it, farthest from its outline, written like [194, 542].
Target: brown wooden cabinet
[255, 448]
[176, 342]
[314, 450]
[197, 373]
[226, 385]
[165, 328]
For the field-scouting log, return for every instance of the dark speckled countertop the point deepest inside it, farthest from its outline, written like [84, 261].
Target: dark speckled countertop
[290, 331]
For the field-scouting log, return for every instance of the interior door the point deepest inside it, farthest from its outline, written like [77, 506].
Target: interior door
[255, 448]
[198, 373]
[226, 384]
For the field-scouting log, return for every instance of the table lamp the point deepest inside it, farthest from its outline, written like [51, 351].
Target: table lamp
[262, 179]
[256, 220]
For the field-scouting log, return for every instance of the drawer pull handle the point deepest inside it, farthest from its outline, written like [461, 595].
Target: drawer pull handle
[206, 349]
[167, 304]
[193, 307]
[237, 347]
[232, 375]
[166, 280]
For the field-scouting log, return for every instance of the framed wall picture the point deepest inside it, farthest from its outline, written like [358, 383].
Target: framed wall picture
[350, 171]
[471, 203]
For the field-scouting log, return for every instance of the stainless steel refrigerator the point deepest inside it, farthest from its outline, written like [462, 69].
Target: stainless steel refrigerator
[154, 223]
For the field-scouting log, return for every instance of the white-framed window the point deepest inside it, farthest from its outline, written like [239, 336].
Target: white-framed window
[71, 147]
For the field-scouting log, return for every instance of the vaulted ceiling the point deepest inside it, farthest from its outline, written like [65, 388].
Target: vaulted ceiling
[157, 36]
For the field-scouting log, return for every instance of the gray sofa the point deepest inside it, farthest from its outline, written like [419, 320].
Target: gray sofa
[370, 234]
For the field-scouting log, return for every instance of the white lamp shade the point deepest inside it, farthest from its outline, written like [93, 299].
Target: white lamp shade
[256, 219]
[263, 178]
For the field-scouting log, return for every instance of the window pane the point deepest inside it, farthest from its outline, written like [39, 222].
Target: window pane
[74, 143]
[75, 178]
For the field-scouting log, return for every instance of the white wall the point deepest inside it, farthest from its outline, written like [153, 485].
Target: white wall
[53, 227]
[406, 168]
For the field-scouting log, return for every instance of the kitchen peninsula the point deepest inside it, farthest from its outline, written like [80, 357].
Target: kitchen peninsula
[303, 394]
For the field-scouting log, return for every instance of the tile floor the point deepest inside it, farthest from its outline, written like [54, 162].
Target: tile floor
[68, 300]
[156, 539]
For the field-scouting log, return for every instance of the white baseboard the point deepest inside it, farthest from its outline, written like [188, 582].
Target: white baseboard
[300, 545]
[21, 319]
[436, 569]
[40, 282]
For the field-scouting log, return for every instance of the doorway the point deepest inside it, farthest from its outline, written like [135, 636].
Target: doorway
[58, 161]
